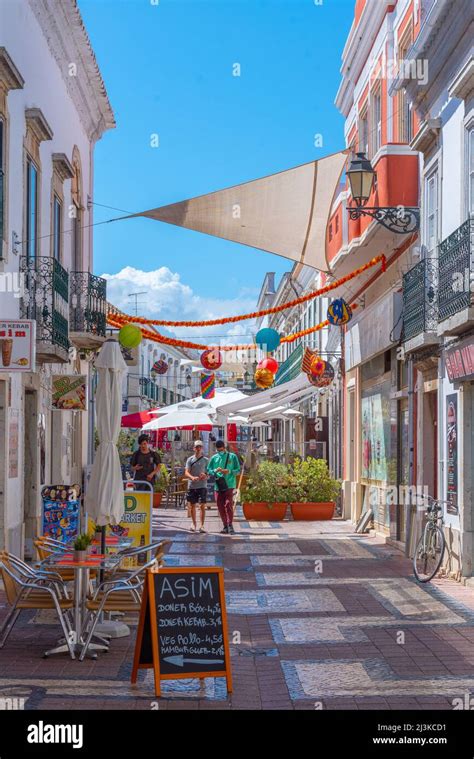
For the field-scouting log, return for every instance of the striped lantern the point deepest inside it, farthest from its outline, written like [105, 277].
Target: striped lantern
[160, 366]
[208, 385]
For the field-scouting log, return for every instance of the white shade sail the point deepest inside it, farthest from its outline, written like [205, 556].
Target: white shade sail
[104, 498]
[284, 213]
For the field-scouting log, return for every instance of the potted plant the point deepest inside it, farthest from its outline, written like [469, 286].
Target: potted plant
[162, 481]
[81, 544]
[264, 496]
[313, 491]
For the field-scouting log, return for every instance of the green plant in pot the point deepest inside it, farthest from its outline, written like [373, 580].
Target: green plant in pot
[162, 481]
[313, 490]
[81, 544]
[265, 495]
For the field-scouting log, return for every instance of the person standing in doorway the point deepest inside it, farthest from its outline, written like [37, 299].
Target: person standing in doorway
[224, 466]
[145, 463]
[195, 473]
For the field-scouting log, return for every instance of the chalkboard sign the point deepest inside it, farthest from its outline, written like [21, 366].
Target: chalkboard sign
[182, 630]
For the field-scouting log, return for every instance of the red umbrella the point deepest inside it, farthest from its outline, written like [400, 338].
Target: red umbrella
[138, 419]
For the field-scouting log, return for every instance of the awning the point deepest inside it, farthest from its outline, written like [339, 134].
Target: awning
[138, 419]
[275, 400]
[284, 213]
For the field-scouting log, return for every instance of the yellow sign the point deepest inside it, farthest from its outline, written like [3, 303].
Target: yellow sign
[136, 523]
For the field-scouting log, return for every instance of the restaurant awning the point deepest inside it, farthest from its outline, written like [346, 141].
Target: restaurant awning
[284, 213]
[137, 420]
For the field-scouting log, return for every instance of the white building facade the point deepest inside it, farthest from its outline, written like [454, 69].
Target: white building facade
[53, 109]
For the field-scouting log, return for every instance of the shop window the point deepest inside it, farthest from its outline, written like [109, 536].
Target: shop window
[431, 205]
[376, 130]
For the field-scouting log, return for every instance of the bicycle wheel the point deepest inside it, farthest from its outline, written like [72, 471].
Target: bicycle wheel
[429, 554]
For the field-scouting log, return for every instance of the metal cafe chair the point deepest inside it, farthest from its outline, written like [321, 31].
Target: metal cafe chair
[26, 593]
[115, 595]
[157, 549]
[38, 574]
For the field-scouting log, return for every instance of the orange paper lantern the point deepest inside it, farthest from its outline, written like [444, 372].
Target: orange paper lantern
[264, 378]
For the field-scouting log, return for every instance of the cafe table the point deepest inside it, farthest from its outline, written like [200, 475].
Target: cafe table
[81, 581]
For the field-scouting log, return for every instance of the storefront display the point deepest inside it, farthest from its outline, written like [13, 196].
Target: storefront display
[60, 513]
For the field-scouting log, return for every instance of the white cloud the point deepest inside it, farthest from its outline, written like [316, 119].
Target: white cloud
[167, 297]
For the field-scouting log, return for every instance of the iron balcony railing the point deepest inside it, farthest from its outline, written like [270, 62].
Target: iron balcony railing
[45, 299]
[456, 270]
[87, 303]
[420, 299]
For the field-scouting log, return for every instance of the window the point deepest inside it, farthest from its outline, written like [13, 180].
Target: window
[431, 204]
[404, 109]
[57, 227]
[364, 132]
[330, 232]
[2, 183]
[470, 169]
[31, 209]
[376, 135]
[336, 225]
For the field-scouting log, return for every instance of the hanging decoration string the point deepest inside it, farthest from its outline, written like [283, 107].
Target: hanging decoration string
[257, 314]
[119, 320]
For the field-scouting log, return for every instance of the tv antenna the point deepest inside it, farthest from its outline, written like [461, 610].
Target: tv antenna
[135, 295]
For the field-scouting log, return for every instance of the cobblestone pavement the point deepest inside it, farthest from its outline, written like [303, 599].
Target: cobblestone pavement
[319, 617]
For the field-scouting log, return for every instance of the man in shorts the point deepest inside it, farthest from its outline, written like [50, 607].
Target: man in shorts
[196, 475]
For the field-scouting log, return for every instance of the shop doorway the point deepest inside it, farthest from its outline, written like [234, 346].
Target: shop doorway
[430, 443]
[3, 458]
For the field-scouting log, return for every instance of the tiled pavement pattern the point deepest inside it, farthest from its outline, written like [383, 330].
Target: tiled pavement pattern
[318, 618]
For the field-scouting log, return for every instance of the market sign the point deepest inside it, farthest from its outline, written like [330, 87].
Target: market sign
[460, 361]
[69, 392]
[17, 345]
[182, 631]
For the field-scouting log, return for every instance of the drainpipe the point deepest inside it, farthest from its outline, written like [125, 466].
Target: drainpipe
[411, 448]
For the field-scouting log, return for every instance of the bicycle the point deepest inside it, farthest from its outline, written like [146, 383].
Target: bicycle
[430, 548]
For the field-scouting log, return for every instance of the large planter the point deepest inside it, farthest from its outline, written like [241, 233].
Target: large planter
[313, 512]
[157, 499]
[264, 512]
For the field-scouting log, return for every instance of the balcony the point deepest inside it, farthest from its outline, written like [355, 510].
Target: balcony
[420, 305]
[352, 243]
[87, 309]
[456, 273]
[45, 299]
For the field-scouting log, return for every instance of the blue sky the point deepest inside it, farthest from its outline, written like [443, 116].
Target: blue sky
[168, 71]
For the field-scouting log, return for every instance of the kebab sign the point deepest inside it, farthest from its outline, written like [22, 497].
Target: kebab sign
[69, 392]
[17, 345]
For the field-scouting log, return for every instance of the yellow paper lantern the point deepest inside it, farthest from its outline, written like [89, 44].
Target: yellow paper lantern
[264, 378]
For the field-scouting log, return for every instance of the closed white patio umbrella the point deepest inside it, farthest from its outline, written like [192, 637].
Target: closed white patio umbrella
[104, 498]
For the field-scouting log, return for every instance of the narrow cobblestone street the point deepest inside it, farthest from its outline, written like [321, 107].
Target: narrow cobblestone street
[325, 618]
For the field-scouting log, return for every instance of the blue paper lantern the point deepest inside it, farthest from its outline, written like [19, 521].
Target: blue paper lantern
[268, 339]
[339, 312]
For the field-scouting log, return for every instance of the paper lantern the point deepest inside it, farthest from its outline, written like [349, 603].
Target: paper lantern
[264, 378]
[160, 367]
[339, 312]
[325, 379]
[268, 363]
[208, 385]
[317, 366]
[211, 359]
[268, 339]
[130, 336]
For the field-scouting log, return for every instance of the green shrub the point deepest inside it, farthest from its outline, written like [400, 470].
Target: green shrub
[311, 482]
[162, 480]
[268, 484]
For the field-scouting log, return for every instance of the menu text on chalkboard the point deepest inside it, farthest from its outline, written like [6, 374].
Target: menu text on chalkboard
[183, 627]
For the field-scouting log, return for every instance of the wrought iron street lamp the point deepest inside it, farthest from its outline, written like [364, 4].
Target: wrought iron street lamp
[399, 219]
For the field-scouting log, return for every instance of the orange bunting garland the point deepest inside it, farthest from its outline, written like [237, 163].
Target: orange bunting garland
[118, 320]
[256, 314]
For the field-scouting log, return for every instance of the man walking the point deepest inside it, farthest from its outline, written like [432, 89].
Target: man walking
[195, 473]
[145, 462]
[224, 465]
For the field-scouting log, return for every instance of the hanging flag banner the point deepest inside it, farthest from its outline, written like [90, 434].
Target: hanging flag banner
[208, 385]
[69, 392]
